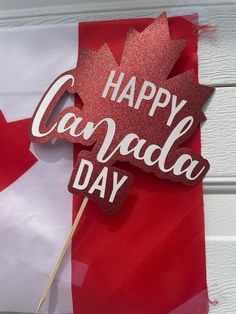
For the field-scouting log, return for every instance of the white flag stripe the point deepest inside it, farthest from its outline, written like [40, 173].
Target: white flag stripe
[30, 59]
[36, 210]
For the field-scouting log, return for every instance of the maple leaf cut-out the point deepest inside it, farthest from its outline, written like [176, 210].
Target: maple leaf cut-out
[149, 55]
[15, 156]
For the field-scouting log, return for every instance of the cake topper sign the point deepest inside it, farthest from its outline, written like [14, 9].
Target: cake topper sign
[132, 112]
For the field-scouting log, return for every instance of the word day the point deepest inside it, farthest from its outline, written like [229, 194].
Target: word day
[107, 186]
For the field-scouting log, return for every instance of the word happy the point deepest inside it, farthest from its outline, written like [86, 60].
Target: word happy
[150, 157]
[148, 91]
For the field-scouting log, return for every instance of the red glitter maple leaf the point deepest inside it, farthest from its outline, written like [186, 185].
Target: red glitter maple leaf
[132, 110]
[15, 157]
[149, 56]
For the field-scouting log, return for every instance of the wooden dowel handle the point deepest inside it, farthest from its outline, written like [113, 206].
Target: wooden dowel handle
[63, 252]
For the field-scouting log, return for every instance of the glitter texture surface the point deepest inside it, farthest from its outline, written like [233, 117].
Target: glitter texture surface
[148, 56]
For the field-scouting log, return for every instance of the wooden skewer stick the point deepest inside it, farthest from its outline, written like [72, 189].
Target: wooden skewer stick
[63, 252]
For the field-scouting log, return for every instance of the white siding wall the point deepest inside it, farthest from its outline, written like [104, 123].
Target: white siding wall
[217, 64]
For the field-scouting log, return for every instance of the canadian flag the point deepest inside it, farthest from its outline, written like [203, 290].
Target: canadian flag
[149, 258]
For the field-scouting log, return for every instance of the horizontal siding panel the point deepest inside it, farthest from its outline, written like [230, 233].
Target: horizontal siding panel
[218, 133]
[217, 50]
[220, 216]
[221, 270]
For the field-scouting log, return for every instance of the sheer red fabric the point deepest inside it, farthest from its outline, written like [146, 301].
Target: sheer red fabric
[150, 256]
